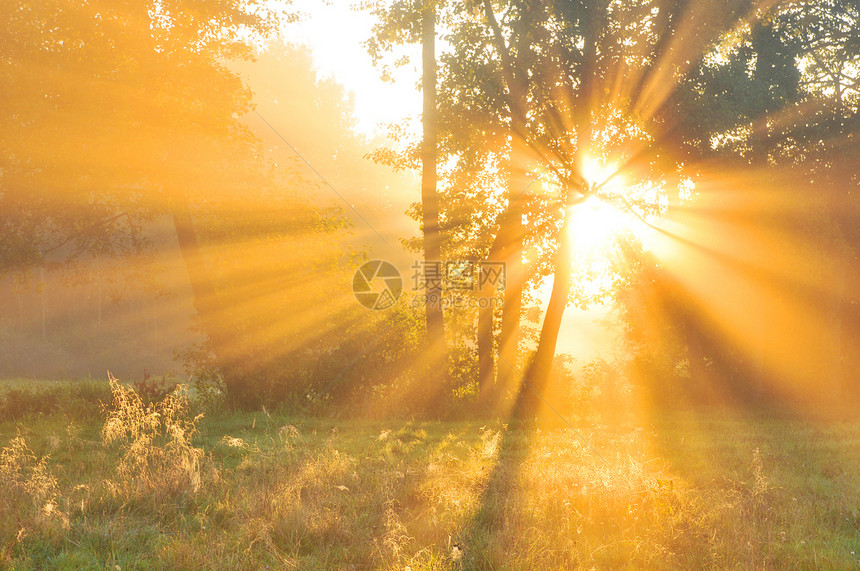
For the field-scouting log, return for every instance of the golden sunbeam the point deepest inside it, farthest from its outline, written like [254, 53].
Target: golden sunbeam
[419, 284]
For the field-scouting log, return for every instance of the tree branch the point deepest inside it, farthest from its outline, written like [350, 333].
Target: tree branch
[44, 253]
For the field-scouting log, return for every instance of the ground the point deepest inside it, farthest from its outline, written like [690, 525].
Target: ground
[711, 488]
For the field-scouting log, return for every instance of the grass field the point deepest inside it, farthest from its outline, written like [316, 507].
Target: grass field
[686, 490]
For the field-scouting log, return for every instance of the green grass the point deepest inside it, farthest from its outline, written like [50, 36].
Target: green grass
[682, 491]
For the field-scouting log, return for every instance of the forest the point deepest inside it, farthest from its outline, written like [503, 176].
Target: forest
[424, 284]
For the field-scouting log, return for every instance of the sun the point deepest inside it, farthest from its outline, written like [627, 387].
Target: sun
[597, 172]
[596, 223]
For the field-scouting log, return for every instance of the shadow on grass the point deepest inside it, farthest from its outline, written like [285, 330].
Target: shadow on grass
[480, 545]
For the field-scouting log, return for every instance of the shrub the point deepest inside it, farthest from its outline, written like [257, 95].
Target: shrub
[18, 402]
[75, 399]
[153, 390]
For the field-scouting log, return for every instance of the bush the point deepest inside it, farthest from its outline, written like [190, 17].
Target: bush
[77, 399]
[153, 390]
[18, 402]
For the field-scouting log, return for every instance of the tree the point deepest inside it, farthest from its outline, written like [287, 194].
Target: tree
[117, 115]
[429, 199]
[738, 83]
[522, 88]
[760, 102]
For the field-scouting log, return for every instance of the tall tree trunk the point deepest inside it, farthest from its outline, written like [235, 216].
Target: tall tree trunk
[430, 201]
[43, 286]
[490, 281]
[198, 272]
[485, 347]
[841, 256]
[510, 236]
[99, 292]
[538, 374]
[511, 253]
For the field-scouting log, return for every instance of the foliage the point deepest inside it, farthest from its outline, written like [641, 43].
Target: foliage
[154, 389]
[72, 186]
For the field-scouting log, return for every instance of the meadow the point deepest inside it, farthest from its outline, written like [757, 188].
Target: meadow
[101, 480]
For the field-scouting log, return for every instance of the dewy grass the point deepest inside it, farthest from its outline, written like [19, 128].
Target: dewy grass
[153, 486]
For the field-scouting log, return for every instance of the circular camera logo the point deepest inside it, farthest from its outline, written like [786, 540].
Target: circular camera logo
[377, 285]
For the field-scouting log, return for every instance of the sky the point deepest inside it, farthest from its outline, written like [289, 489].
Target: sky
[335, 31]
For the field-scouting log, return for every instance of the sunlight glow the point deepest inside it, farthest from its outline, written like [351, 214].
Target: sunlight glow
[597, 172]
[595, 225]
[596, 222]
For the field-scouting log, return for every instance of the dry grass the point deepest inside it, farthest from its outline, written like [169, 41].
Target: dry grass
[28, 497]
[154, 486]
[157, 460]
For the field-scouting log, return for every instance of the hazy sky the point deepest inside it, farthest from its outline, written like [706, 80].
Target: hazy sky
[336, 32]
